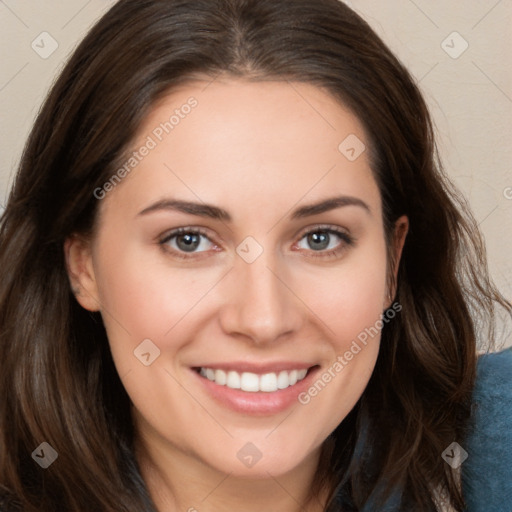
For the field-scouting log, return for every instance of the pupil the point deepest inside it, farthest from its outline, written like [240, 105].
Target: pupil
[319, 240]
[188, 242]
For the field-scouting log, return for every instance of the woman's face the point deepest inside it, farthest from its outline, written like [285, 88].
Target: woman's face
[246, 240]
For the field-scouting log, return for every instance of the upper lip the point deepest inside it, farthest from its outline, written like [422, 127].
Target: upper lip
[258, 368]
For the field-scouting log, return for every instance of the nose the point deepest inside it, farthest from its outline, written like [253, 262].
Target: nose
[260, 304]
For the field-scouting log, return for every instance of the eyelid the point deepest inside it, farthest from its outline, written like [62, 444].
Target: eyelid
[164, 239]
[347, 238]
[343, 233]
[182, 230]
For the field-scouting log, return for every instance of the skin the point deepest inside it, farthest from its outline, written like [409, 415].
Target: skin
[259, 151]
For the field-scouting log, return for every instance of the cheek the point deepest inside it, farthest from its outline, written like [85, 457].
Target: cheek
[143, 297]
[350, 305]
[351, 298]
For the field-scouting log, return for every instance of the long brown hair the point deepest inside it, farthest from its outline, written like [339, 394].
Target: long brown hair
[58, 382]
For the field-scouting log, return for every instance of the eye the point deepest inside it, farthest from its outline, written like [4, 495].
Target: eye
[187, 240]
[326, 241]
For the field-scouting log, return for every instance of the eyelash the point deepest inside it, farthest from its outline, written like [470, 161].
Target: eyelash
[347, 240]
[183, 231]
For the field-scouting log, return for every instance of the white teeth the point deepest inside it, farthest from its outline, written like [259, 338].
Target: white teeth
[282, 380]
[220, 377]
[249, 382]
[233, 380]
[268, 382]
[252, 382]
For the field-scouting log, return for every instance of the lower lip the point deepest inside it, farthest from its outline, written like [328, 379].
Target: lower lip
[259, 402]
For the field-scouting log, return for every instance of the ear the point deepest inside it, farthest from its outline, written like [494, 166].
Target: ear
[397, 244]
[80, 270]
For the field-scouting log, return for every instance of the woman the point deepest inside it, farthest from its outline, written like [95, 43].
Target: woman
[235, 276]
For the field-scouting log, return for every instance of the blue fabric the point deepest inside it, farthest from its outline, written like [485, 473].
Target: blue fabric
[487, 472]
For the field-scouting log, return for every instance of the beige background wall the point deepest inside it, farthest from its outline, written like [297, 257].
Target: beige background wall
[460, 52]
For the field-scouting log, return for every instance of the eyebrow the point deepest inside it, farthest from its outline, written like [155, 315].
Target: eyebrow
[329, 204]
[214, 212]
[199, 209]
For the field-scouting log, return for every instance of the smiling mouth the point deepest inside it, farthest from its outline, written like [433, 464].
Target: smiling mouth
[253, 382]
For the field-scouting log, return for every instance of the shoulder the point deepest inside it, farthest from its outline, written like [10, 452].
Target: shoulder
[487, 472]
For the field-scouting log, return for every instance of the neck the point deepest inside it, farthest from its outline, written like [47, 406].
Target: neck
[180, 481]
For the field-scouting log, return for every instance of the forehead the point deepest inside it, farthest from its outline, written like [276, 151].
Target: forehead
[229, 139]
[255, 113]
